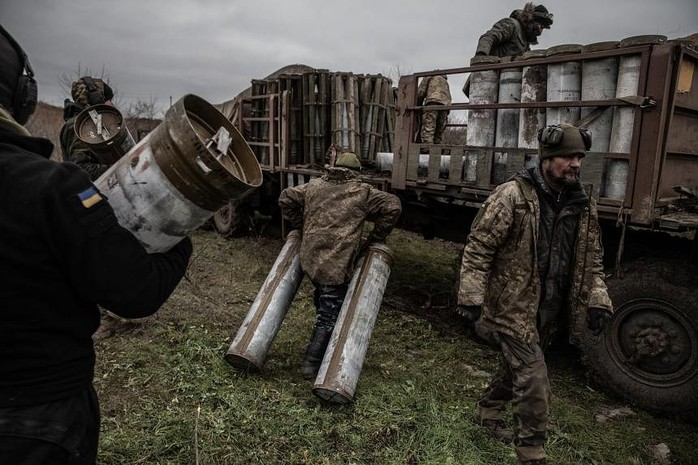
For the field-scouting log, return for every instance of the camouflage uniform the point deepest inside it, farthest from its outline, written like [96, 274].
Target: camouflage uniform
[507, 37]
[433, 90]
[75, 150]
[513, 35]
[502, 273]
[331, 211]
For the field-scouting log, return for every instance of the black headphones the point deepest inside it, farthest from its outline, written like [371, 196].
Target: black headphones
[26, 92]
[550, 136]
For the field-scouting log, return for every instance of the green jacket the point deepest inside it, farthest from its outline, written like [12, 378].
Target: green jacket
[506, 38]
[331, 210]
[499, 271]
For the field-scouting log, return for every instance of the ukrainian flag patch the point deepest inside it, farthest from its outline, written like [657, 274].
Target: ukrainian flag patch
[89, 197]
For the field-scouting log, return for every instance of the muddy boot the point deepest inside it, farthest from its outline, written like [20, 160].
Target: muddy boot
[497, 429]
[530, 455]
[315, 352]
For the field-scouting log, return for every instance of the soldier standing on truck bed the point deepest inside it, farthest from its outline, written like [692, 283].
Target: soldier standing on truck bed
[433, 90]
[331, 211]
[531, 266]
[515, 34]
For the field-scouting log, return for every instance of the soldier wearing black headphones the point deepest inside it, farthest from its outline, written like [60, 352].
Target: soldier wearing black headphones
[531, 271]
[62, 253]
[17, 84]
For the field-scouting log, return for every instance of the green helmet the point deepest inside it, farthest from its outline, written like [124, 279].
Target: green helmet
[348, 160]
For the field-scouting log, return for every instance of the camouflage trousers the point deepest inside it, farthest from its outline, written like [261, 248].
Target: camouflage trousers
[433, 126]
[328, 302]
[522, 380]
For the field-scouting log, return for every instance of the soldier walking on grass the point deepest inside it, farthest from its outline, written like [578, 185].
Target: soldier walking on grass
[532, 265]
[331, 212]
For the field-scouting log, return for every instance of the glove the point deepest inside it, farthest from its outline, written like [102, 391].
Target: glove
[597, 318]
[471, 313]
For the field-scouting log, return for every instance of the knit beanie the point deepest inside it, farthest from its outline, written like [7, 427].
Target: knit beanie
[562, 140]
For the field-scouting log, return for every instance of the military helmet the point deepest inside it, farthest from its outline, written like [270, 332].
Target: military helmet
[542, 16]
[90, 91]
[562, 140]
[348, 160]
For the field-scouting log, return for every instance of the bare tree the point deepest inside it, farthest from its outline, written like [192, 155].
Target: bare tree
[144, 108]
[395, 72]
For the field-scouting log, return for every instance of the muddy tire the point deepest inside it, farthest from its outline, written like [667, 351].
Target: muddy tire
[231, 220]
[648, 354]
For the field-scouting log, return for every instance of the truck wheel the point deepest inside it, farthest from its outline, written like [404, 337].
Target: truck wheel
[231, 219]
[648, 354]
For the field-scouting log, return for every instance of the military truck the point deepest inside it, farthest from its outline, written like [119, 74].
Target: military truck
[638, 97]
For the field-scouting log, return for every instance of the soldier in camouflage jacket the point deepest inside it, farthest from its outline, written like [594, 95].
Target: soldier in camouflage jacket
[515, 34]
[86, 91]
[433, 90]
[331, 212]
[533, 263]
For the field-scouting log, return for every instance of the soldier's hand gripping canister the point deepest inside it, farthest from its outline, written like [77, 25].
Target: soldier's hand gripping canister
[248, 351]
[339, 373]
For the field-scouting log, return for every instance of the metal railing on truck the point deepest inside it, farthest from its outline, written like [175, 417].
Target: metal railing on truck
[647, 147]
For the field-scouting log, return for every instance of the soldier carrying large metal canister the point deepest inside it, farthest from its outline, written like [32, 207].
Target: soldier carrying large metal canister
[94, 129]
[331, 212]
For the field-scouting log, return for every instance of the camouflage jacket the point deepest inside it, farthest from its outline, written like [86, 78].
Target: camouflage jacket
[434, 89]
[331, 212]
[74, 150]
[506, 38]
[499, 271]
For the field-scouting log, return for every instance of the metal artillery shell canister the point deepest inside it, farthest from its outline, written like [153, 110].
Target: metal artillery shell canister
[534, 81]
[616, 170]
[249, 349]
[599, 78]
[507, 132]
[340, 369]
[564, 83]
[484, 89]
[180, 174]
[102, 128]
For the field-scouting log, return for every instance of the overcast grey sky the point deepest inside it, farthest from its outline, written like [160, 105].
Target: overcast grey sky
[213, 48]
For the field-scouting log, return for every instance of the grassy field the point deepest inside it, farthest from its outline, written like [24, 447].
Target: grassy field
[169, 397]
